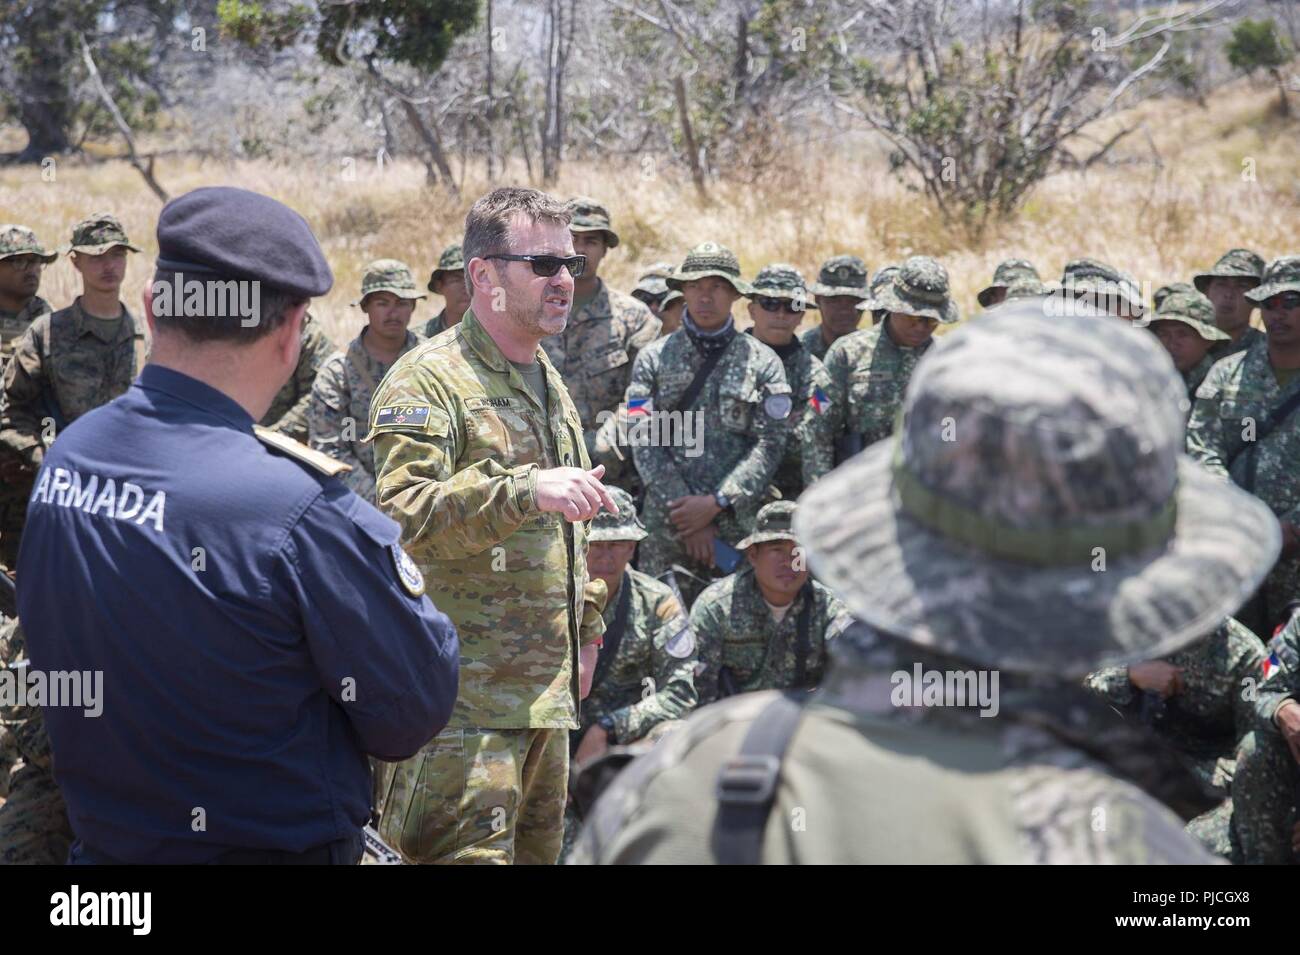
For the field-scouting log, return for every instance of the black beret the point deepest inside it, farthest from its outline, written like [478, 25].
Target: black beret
[237, 234]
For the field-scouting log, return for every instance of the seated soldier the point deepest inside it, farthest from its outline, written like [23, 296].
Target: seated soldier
[766, 626]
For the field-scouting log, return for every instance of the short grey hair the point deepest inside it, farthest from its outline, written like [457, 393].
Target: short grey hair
[488, 223]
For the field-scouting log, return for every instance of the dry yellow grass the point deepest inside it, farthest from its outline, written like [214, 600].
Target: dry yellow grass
[1161, 224]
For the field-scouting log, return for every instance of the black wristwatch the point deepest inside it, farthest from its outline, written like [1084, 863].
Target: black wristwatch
[722, 501]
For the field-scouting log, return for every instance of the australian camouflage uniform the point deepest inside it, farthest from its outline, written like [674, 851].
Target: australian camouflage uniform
[459, 438]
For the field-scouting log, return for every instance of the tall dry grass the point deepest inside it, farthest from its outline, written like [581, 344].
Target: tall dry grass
[1162, 223]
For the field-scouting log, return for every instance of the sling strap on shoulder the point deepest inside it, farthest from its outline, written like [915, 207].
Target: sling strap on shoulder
[697, 383]
[803, 641]
[1275, 418]
[747, 784]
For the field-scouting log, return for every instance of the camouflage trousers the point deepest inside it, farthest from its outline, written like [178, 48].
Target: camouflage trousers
[479, 796]
[1264, 798]
[34, 827]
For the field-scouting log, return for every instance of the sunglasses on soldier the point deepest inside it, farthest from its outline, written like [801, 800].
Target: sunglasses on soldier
[547, 265]
[771, 304]
[1282, 300]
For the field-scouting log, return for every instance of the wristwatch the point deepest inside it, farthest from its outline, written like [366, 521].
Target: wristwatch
[723, 502]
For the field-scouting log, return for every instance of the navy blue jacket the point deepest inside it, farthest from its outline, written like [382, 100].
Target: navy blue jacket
[254, 622]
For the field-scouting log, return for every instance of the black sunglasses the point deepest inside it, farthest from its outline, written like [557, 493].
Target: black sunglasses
[1282, 300]
[770, 304]
[548, 265]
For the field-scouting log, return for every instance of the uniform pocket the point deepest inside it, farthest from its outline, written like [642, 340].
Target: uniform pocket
[422, 811]
[736, 407]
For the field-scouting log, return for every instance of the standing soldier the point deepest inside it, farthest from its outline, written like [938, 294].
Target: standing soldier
[883, 279]
[480, 458]
[1245, 427]
[841, 289]
[606, 330]
[1164, 291]
[670, 312]
[21, 259]
[288, 412]
[652, 287]
[702, 495]
[340, 404]
[69, 362]
[947, 727]
[1010, 272]
[1184, 323]
[768, 625]
[870, 369]
[778, 298]
[448, 280]
[1102, 286]
[1226, 284]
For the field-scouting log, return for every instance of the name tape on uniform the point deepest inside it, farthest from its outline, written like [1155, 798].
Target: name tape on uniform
[98, 496]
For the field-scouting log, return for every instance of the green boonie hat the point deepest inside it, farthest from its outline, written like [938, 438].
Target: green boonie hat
[1233, 264]
[1192, 309]
[881, 280]
[1008, 272]
[709, 259]
[623, 526]
[842, 275]
[672, 296]
[780, 280]
[1164, 291]
[97, 234]
[451, 260]
[1282, 275]
[773, 523]
[651, 286]
[20, 240]
[660, 270]
[1025, 286]
[1069, 446]
[920, 287]
[590, 216]
[1098, 280]
[388, 275]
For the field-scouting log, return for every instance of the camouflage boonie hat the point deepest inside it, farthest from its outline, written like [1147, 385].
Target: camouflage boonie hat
[1063, 447]
[773, 523]
[1233, 264]
[623, 526]
[20, 240]
[451, 260]
[780, 280]
[920, 287]
[706, 259]
[842, 275]
[1192, 309]
[1008, 272]
[590, 216]
[1282, 275]
[1164, 291]
[881, 280]
[388, 275]
[672, 296]
[1099, 281]
[652, 284]
[1026, 286]
[97, 234]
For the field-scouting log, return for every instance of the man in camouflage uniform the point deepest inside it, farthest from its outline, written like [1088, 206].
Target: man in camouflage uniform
[340, 400]
[1018, 272]
[288, 412]
[870, 369]
[1184, 323]
[21, 259]
[964, 561]
[1098, 285]
[652, 287]
[670, 312]
[69, 362]
[1164, 291]
[448, 280]
[1196, 701]
[1225, 285]
[841, 288]
[606, 331]
[701, 496]
[479, 456]
[1230, 432]
[769, 625]
[778, 297]
[883, 279]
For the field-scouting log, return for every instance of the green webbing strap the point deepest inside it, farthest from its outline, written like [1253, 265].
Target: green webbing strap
[1043, 546]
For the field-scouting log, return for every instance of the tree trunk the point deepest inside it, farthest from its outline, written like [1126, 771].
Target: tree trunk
[1283, 104]
[431, 143]
[692, 152]
[491, 108]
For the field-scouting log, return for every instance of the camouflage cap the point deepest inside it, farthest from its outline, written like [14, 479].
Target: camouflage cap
[881, 280]
[451, 260]
[842, 275]
[590, 216]
[706, 259]
[773, 523]
[920, 287]
[1100, 283]
[388, 275]
[1165, 291]
[1035, 510]
[1233, 264]
[1025, 286]
[1282, 275]
[780, 280]
[672, 296]
[659, 270]
[1008, 272]
[1192, 309]
[650, 286]
[20, 240]
[623, 526]
[96, 234]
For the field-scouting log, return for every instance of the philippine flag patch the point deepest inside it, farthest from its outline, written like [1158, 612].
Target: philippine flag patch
[818, 401]
[639, 406]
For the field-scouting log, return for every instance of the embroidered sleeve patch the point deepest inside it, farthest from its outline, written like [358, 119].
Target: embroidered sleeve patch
[402, 416]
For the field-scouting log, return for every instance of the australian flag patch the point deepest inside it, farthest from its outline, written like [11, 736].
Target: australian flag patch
[409, 416]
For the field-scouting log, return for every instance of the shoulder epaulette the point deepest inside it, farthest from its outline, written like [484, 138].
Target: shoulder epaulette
[300, 452]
